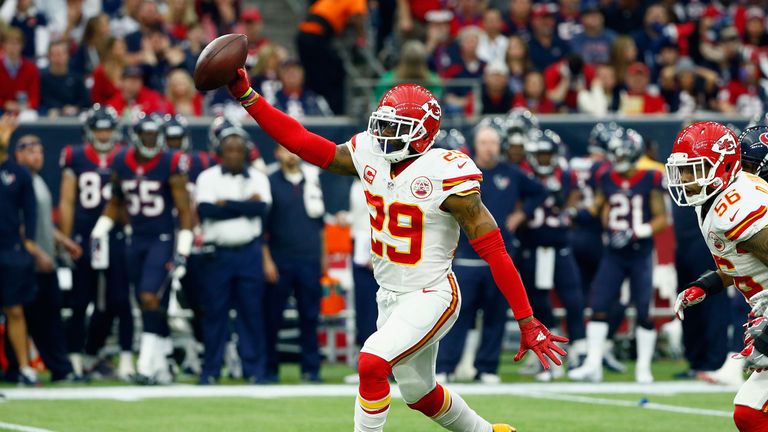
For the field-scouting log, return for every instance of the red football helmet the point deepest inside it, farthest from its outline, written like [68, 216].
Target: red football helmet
[408, 116]
[710, 152]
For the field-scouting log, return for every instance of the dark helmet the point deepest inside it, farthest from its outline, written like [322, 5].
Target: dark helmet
[176, 128]
[146, 134]
[624, 149]
[543, 142]
[451, 139]
[600, 135]
[223, 127]
[754, 150]
[101, 117]
[518, 125]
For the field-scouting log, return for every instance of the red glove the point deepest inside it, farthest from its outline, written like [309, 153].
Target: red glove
[691, 296]
[536, 337]
[240, 86]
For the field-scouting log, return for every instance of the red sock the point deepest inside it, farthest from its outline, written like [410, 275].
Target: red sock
[434, 403]
[749, 419]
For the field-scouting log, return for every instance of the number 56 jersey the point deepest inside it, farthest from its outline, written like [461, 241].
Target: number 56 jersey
[738, 213]
[413, 240]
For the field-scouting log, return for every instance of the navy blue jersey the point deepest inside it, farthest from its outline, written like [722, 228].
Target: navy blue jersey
[92, 171]
[549, 227]
[199, 161]
[16, 197]
[629, 201]
[587, 173]
[146, 190]
[504, 186]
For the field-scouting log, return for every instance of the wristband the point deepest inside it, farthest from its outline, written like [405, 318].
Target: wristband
[184, 241]
[710, 282]
[103, 226]
[644, 231]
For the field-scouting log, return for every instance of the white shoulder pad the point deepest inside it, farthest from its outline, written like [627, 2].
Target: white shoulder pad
[741, 210]
[457, 172]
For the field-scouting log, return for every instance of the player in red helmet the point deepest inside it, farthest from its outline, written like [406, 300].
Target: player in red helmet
[731, 205]
[417, 199]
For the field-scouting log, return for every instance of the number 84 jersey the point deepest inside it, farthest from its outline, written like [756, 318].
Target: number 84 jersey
[738, 213]
[413, 240]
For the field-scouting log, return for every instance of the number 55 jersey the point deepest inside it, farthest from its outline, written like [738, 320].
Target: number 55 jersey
[413, 239]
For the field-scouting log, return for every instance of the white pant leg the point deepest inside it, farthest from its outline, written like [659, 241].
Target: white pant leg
[754, 392]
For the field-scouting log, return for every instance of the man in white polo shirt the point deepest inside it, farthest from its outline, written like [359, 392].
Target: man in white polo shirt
[232, 199]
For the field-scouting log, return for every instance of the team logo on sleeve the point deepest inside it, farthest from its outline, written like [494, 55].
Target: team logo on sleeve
[501, 182]
[7, 177]
[369, 174]
[421, 187]
[716, 241]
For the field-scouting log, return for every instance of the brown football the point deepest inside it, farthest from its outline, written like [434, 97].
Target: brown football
[219, 61]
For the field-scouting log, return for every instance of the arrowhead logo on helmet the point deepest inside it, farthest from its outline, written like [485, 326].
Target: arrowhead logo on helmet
[726, 145]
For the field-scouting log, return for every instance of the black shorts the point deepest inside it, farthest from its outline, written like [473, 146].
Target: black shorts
[17, 277]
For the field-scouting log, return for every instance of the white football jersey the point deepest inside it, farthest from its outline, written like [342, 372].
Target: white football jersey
[738, 213]
[413, 240]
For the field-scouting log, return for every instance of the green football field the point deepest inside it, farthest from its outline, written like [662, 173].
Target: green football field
[615, 406]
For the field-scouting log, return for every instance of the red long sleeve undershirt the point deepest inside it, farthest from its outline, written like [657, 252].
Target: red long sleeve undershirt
[290, 134]
[491, 248]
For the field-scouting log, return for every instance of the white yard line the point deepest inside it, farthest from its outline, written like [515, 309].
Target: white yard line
[21, 428]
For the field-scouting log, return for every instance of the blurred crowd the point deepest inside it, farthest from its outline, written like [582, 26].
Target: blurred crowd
[479, 56]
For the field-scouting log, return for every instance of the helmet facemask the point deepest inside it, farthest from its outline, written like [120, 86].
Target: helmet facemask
[102, 146]
[394, 133]
[703, 174]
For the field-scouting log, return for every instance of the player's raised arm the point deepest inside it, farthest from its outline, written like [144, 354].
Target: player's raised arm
[485, 237]
[289, 133]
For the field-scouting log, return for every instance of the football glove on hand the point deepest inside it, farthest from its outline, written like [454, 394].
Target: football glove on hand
[619, 239]
[179, 269]
[689, 297]
[239, 86]
[536, 337]
[759, 303]
[755, 352]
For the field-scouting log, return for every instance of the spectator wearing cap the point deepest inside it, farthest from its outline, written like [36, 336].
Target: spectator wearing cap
[293, 98]
[493, 44]
[33, 23]
[108, 75]
[637, 99]
[497, 98]
[565, 78]
[294, 259]
[62, 92]
[755, 36]
[545, 45]
[466, 66]
[411, 67]
[595, 41]
[20, 78]
[602, 96]
[149, 20]
[233, 198]
[466, 13]
[179, 17]
[87, 56]
[253, 26]
[534, 95]
[651, 37]
[743, 94]
[135, 97]
[181, 94]
[439, 41]
[43, 313]
[518, 21]
[518, 62]
[326, 20]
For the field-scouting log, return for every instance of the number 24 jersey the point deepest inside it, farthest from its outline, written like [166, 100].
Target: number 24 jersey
[413, 240]
[737, 214]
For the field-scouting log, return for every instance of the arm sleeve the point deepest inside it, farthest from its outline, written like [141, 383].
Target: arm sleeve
[212, 211]
[29, 207]
[247, 208]
[291, 134]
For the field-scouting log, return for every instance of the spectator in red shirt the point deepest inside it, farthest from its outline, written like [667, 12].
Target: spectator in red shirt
[744, 94]
[637, 99]
[181, 94]
[19, 77]
[108, 75]
[534, 96]
[253, 25]
[565, 79]
[135, 97]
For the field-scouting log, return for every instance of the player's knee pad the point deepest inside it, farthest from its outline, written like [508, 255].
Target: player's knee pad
[749, 419]
[432, 403]
[374, 373]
